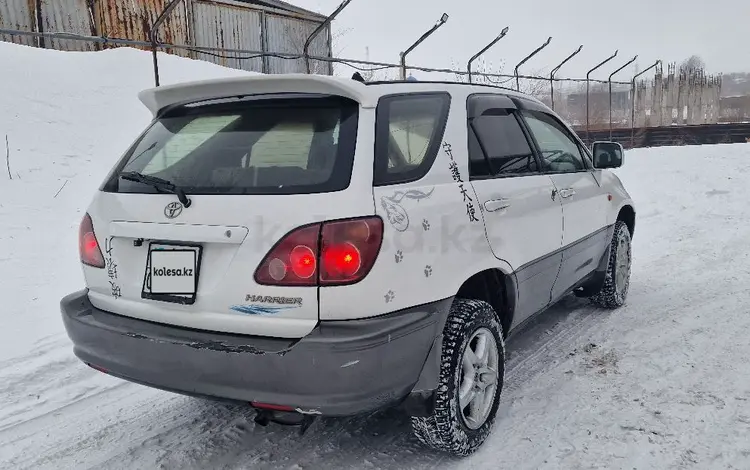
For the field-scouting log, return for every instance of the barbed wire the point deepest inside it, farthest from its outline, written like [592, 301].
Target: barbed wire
[280, 56]
[243, 54]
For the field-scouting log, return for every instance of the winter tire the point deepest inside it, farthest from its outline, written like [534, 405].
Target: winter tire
[617, 280]
[472, 370]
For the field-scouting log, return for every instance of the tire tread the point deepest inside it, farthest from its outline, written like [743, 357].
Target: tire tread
[443, 429]
[608, 297]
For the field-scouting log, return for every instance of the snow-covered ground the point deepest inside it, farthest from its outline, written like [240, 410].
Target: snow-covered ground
[662, 383]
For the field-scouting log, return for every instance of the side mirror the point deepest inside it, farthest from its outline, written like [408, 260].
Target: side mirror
[607, 154]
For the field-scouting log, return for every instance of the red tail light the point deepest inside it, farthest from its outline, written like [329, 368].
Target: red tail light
[293, 261]
[331, 253]
[88, 247]
[349, 248]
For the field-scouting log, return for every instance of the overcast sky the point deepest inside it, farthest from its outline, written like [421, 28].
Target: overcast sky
[671, 30]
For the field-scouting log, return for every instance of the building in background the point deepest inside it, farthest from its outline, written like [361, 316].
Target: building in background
[245, 26]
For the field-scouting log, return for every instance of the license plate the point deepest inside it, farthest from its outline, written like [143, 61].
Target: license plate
[172, 273]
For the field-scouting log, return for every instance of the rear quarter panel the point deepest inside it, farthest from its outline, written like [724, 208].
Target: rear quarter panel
[434, 237]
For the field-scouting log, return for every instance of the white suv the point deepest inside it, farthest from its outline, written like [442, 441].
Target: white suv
[314, 245]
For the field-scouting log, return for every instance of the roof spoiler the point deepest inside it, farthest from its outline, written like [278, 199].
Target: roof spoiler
[159, 98]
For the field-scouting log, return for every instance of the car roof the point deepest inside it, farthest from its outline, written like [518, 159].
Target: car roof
[366, 93]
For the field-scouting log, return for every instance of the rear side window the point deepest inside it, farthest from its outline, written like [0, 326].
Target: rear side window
[408, 132]
[264, 146]
[499, 147]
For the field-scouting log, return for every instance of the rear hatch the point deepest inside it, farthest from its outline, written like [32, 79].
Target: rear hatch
[253, 170]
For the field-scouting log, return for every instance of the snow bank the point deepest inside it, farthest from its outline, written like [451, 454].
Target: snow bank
[68, 116]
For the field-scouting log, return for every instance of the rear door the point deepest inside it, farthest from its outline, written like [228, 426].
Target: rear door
[254, 170]
[584, 202]
[522, 213]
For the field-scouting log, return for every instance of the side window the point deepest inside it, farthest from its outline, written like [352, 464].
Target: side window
[408, 133]
[560, 152]
[498, 147]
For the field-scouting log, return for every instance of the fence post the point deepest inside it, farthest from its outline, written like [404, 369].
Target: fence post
[317, 31]
[609, 81]
[554, 71]
[403, 55]
[154, 35]
[39, 24]
[632, 111]
[494, 41]
[588, 83]
[264, 65]
[536, 51]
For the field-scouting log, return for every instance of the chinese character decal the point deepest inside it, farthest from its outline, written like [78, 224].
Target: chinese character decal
[456, 175]
[111, 268]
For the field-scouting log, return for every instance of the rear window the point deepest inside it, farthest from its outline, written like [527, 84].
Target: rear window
[408, 132]
[263, 146]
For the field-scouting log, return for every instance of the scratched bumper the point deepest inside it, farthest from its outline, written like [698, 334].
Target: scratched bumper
[341, 368]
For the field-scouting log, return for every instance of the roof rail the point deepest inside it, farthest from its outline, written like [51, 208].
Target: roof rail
[443, 82]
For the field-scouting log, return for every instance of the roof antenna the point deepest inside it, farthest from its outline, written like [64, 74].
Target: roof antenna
[358, 77]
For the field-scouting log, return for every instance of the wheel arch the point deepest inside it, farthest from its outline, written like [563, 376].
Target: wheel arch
[627, 215]
[495, 287]
[491, 284]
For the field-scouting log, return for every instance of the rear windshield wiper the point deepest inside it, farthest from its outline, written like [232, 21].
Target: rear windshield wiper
[158, 183]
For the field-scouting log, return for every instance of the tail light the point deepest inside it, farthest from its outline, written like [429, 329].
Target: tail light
[293, 261]
[88, 246]
[349, 249]
[332, 253]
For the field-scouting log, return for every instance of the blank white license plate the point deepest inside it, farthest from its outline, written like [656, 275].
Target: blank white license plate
[173, 271]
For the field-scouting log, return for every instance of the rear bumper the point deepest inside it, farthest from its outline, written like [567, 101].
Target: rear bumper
[341, 368]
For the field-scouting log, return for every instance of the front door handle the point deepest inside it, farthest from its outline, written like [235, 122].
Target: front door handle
[494, 205]
[567, 192]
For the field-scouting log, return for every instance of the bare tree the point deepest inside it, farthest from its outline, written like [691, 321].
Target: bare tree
[536, 87]
[479, 71]
[383, 75]
[694, 63]
[296, 34]
[375, 73]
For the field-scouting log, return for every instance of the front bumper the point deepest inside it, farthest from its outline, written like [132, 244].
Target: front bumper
[341, 368]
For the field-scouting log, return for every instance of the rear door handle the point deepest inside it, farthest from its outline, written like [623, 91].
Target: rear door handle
[566, 193]
[494, 205]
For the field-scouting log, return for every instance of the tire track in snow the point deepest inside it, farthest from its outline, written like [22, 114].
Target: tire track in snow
[103, 423]
[136, 426]
[538, 347]
[127, 425]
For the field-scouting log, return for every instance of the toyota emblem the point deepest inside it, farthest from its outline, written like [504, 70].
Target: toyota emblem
[173, 210]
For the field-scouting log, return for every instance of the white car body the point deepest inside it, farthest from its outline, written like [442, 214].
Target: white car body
[546, 233]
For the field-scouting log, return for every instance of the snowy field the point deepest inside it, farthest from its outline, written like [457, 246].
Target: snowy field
[662, 383]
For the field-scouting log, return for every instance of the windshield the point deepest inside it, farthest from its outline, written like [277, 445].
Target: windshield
[269, 146]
